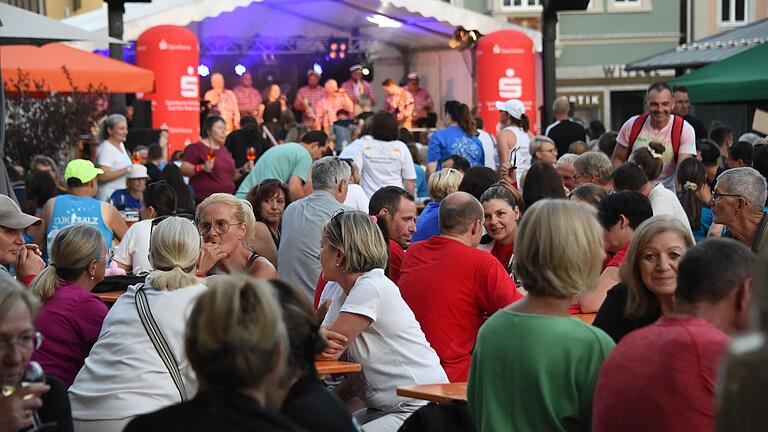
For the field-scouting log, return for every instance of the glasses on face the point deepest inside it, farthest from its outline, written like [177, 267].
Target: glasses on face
[717, 195]
[221, 227]
[26, 341]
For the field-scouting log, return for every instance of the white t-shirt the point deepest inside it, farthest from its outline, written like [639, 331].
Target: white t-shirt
[133, 249]
[382, 163]
[521, 158]
[665, 202]
[489, 149]
[392, 350]
[356, 198]
[115, 159]
[123, 376]
[664, 136]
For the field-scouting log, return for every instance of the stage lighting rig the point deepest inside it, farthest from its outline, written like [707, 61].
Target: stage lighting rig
[463, 38]
[337, 49]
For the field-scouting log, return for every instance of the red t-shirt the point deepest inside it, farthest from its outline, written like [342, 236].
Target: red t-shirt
[451, 289]
[503, 253]
[618, 258]
[220, 179]
[661, 378]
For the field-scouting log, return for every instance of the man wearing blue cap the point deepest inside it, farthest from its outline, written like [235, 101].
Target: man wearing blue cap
[80, 207]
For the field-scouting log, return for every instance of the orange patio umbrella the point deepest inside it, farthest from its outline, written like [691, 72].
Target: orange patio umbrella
[45, 64]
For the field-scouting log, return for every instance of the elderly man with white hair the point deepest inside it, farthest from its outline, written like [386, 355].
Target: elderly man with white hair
[738, 203]
[566, 170]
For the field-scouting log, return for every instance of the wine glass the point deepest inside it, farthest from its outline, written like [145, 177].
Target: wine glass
[34, 375]
[137, 158]
[250, 154]
[211, 154]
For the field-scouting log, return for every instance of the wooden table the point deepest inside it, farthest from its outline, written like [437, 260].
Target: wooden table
[328, 367]
[440, 393]
[110, 297]
[586, 317]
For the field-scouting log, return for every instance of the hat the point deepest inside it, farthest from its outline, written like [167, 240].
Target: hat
[137, 171]
[12, 217]
[513, 107]
[356, 67]
[413, 76]
[313, 72]
[82, 170]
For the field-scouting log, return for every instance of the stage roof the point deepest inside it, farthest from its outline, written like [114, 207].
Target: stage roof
[411, 24]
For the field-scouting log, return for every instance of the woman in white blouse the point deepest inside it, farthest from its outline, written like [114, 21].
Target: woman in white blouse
[369, 320]
[111, 155]
[124, 375]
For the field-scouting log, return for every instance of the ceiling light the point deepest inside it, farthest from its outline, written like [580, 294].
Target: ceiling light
[383, 21]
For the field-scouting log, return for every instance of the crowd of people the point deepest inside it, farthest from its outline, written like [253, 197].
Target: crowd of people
[261, 250]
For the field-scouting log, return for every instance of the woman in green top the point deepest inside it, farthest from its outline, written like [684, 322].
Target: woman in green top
[534, 367]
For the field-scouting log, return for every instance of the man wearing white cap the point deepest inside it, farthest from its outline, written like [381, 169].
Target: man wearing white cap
[356, 86]
[422, 101]
[513, 140]
[79, 207]
[26, 258]
[308, 97]
[130, 197]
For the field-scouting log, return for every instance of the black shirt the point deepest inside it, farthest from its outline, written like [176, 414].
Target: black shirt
[698, 126]
[316, 409]
[610, 318]
[232, 412]
[564, 133]
[56, 407]
[238, 142]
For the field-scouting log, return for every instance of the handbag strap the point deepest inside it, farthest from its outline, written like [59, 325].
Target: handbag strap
[161, 345]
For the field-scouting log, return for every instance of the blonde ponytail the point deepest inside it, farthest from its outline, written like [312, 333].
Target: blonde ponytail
[45, 284]
[173, 251]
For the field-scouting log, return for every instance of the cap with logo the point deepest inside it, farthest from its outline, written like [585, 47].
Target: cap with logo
[413, 76]
[82, 170]
[137, 171]
[356, 67]
[313, 72]
[12, 217]
[513, 107]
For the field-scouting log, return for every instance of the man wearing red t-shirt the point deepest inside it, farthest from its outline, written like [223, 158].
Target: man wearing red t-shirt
[452, 287]
[397, 209]
[662, 377]
[620, 214]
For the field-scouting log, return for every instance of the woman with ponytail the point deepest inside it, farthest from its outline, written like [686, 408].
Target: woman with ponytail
[458, 137]
[70, 317]
[694, 194]
[124, 375]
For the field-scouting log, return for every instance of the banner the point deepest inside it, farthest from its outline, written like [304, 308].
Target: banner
[506, 69]
[173, 54]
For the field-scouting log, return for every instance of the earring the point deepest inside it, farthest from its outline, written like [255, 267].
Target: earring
[91, 277]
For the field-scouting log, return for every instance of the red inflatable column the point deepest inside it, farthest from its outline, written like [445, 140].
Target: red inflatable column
[506, 69]
[172, 53]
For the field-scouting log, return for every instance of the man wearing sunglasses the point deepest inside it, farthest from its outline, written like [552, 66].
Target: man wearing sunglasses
[739, 203]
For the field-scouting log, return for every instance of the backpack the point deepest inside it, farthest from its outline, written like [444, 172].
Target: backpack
[677, 133]
[452, 417]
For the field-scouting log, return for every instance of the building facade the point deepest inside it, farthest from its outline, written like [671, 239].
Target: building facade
[57, 9]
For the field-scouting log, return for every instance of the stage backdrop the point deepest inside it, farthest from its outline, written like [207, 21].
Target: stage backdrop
[173, 54]
[506, 69]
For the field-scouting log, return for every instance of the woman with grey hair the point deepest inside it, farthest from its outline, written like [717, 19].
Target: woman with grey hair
[379, 329]
[543, 148]
[139, 364]
[111, 155]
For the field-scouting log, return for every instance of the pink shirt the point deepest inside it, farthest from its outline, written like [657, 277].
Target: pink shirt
[220, 179]
[70, 322]
[664, 136]
[312, 96]
[355, 90]
[661, 378]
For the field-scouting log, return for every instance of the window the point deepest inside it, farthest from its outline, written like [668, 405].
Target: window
[521, 4]
[733, 12]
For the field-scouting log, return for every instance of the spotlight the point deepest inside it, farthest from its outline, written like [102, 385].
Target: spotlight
[337, 49]
[463, 38]
[203, 70]
[318, 69]
[366, 71]
[240, 69]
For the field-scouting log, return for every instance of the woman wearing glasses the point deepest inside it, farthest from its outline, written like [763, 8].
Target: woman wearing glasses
[132, 254]
[125, 374]
[70, 317]
[21, 405]
[233, 240]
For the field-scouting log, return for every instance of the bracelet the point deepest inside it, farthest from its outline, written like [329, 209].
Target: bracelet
[26, 280]
[201, 274]
[198, 168]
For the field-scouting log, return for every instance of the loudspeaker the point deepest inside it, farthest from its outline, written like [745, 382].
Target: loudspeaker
[141, 136]
[142, 114]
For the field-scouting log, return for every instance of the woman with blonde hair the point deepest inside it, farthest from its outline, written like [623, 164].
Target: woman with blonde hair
[138, 364]
[534, 367]
[232, 239]
[237, 344]
[648, 275]
[441, 184]
[379, 330]
[70, 317]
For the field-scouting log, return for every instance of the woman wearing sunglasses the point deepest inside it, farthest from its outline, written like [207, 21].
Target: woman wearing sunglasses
[232, 239]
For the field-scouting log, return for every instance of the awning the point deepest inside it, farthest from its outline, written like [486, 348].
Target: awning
[708, 50]
[20, 26]
[413, 24]
[740, 78]
[44, 64]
